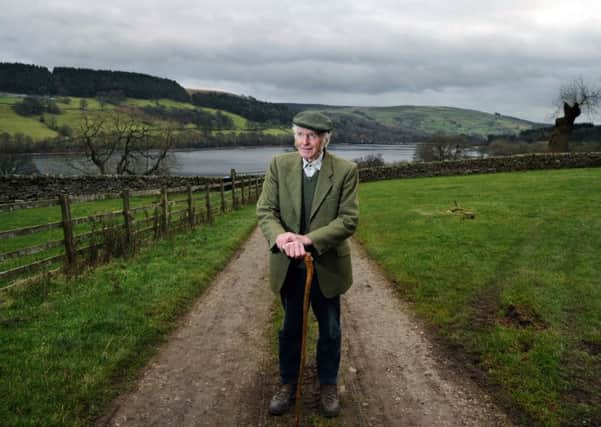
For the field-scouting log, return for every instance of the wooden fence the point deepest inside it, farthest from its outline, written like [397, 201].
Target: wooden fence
[63, 244]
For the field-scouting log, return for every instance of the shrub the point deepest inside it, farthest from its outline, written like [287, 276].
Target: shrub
[504, 147]
[370, 161]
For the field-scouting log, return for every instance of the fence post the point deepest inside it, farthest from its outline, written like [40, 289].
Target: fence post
[129, 231]
[208, 203]
[222, 190]
[67, 228]
[256, 187]
[190, 206]
[249, 189]
[155, 222]
[234, 198]
[164, 219]
[242, 190]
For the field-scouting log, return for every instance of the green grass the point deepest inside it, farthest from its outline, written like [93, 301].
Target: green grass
[71, 115]
[30, 217]
[446, 120]
[68, 347]
[167, 103]
[517, 288]
[13, 123]
[278, 131]
[7, 99]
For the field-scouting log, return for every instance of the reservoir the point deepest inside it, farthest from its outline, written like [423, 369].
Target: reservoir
[219, 161]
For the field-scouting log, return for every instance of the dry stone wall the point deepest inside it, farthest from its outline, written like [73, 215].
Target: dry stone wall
[20, 187]
[14, 188]
[486, 165]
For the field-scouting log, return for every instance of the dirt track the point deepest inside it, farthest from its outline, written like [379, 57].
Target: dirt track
[219, 367]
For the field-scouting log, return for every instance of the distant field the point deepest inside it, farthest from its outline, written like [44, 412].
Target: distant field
[5, 99]
[445, 120]
[13, 123]
[71, 115]
[517, 289]
[286, 131]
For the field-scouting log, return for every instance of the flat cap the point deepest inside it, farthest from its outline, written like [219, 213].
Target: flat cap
[313, 120]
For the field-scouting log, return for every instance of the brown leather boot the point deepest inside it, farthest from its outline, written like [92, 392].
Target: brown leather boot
[281, 401]
[328, 400]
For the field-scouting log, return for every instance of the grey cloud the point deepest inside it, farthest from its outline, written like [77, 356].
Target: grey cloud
[484, 55]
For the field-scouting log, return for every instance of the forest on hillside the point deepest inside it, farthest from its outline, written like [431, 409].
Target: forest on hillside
[83, 82]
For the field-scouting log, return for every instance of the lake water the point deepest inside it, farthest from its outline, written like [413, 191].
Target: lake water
[218, 162]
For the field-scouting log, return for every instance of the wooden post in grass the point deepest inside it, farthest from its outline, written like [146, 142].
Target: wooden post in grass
[156, 222]
[190, 206]
[256, 187]
[222, 190]
[208, 202]
[234, 198]
[164, 219]
[67, 228]
[242, 189]
[129, 230]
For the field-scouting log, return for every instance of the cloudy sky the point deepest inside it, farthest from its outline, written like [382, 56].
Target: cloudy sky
[496, 56]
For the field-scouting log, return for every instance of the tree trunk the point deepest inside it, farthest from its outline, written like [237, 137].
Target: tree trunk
[560, 138]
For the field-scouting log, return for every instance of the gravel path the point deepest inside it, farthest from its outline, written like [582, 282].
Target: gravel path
[210, 367]
[392, 371]
[219, 367]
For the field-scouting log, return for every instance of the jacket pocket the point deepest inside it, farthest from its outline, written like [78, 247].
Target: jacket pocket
[343, 249]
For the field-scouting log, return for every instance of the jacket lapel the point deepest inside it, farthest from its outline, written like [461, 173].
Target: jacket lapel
[324, 184]
[295, 189]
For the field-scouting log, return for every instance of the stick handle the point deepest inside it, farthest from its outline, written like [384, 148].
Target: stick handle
[301, 369]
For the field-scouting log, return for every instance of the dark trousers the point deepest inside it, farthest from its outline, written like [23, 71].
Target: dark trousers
[327, 312]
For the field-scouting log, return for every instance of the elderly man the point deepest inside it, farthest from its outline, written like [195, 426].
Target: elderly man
[309, 204]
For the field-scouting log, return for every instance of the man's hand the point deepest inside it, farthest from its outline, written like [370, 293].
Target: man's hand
[284, 238]
[293, 245]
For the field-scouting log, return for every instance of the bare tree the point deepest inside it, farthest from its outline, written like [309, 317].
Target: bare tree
[574, 98]
[119, 144]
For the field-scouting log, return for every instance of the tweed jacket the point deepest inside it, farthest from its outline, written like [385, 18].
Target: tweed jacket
[333, 219]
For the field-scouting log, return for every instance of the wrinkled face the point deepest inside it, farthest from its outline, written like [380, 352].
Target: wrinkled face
[308, 143]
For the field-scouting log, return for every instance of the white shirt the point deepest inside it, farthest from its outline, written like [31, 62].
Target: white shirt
[311, 167]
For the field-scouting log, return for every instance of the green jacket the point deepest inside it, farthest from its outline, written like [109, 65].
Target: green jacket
[333, 218]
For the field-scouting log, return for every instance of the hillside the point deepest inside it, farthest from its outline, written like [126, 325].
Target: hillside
[71, 81]
[373, 124]
[198, 126]
[411, 123]
[226, 118]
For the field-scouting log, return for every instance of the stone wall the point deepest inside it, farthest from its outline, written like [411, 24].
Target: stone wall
[487, 165]
[14, 188]
[19, 187]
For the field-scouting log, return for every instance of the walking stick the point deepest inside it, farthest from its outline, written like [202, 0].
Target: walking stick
[301, 369]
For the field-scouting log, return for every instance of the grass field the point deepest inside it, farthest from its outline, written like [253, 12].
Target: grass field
[12, 123]
[517, 289]
[514, 291]
[446, 120]
[68, 347]
[30, 217]
[71, 115]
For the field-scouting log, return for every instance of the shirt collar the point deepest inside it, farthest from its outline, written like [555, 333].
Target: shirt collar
[315, 163]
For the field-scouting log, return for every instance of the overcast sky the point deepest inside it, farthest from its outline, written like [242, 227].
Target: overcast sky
[508, 56]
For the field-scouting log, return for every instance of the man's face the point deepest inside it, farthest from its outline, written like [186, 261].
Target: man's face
[308, 143]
